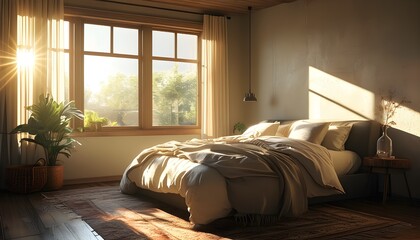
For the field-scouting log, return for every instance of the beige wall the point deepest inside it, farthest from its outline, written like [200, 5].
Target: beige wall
[326, 59]
[238, 67]
[102, 157]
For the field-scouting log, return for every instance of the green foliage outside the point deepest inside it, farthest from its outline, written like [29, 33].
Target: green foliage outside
[116, 97]
[174, 99]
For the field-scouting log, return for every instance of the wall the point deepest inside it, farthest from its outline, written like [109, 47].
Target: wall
[103, 157]
[326, 59]
[238, 68]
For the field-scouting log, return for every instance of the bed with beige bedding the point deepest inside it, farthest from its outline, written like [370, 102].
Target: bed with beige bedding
[272, 170]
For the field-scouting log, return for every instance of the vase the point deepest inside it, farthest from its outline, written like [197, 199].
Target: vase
[384, 144]
[55, 178]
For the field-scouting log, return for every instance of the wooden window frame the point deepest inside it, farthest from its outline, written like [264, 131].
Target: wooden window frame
[78, 17]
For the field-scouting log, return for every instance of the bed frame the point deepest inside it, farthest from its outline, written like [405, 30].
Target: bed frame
[362, 140]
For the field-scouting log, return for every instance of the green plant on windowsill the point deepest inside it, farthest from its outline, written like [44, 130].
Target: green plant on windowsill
[239, 128]
[93, 121]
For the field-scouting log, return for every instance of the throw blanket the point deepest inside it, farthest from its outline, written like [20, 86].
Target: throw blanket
[232, 157]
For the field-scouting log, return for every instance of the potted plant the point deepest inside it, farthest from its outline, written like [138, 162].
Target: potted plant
[93, 121]
[239, 128]
[48, 126]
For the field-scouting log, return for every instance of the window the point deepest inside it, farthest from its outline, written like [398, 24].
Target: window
[175, 76]
[132, 76]
[111, 75]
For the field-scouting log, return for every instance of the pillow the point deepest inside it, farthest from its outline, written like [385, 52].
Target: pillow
[262, 129]
[336, 137]
[345, 162]
[283, 130]
[311, 132]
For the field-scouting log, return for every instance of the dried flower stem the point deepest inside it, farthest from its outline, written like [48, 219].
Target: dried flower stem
[388, 108]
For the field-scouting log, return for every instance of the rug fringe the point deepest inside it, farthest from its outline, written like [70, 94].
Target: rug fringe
[255, 219]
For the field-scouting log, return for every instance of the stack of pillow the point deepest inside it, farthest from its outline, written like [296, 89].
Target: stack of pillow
[332, 135]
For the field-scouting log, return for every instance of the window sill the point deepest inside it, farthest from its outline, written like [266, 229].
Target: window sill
[137, 132]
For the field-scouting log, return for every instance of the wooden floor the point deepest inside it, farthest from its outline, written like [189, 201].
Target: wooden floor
[24, 217]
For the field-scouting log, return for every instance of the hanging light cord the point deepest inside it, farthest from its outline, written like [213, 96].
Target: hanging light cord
[249, 48]
[249, 96]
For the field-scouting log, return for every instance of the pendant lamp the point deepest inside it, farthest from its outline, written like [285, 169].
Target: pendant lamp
[249, 96]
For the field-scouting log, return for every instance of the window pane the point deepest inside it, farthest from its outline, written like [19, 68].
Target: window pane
[67, 76]
[97, 38]
[163, 44]
[187, 46]
[66, 35]
[111, 89]
[126, 41]
[174, 93]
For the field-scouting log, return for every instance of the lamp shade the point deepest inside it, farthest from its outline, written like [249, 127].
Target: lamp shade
[250, 97]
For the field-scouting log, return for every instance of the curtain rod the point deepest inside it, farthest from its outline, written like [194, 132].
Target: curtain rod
[158, 8]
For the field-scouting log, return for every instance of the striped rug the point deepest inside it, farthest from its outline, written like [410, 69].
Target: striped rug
[114, 215]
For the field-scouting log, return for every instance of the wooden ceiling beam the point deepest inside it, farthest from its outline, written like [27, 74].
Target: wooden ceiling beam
[222, 7]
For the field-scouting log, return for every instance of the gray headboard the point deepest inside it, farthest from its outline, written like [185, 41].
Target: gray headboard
[362, 138]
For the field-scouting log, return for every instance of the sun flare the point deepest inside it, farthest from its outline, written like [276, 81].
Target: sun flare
[25, 58]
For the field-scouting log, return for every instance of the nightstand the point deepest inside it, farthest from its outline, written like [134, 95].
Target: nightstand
[388, 166]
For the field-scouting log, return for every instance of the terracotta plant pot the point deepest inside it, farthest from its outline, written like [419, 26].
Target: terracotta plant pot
[55, 178]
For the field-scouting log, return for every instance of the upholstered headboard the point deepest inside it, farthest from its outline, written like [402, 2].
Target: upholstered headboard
[362, 138]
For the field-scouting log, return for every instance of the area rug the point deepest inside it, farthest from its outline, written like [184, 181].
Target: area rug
[114, 215]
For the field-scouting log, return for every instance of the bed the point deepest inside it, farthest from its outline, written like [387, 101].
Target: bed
[274, 169]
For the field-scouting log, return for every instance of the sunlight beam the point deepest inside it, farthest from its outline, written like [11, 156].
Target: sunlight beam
[332, 97]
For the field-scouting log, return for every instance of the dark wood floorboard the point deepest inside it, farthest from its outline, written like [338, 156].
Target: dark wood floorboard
[397, 208]
[24, 217]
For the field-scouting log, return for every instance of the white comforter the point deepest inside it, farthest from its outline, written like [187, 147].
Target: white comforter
[206, 174]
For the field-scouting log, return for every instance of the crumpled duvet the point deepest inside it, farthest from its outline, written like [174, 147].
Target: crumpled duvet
[201, 171]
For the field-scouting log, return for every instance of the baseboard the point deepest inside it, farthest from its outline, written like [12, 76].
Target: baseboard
[92, 180]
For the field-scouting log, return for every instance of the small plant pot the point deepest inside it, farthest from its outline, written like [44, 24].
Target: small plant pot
[97, 126]
[55, 178]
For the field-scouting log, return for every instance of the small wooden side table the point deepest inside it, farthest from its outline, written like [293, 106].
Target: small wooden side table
[387, 166]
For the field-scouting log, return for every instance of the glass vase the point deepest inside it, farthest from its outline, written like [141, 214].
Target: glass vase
[384, 144]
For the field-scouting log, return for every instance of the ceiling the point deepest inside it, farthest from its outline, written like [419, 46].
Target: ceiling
[218, 7]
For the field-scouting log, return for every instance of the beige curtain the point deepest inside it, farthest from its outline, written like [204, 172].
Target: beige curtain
[215, 108]
[8, 80]
[40, 44]
[31, 63]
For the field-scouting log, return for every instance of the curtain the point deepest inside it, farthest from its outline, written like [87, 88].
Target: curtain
[31, 62]
[40, 44]
[215, 107]
[8, 80]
